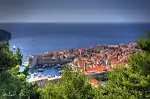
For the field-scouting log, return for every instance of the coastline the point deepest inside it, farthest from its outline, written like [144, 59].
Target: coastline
[93, 61]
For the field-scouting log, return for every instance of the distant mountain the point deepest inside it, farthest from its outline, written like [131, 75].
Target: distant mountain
[5, 35]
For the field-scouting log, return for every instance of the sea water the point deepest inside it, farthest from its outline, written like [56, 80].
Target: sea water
[37, 38]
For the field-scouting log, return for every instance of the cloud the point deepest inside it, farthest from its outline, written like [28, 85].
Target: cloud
[75, 11]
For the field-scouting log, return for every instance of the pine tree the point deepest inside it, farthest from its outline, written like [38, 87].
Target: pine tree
[132, 81]
[7, 59]
[19, 56]
[73, 85]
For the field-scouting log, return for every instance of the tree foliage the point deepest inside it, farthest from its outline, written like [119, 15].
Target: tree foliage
[144, 44]
[11, 81]
[7, 58]
[73, 85]
[132, 82]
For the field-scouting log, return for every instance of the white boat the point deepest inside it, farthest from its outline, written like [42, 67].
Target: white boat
[62, 65]
[14, 47]
[59, 68]
[40, 70]
[58, 64]
[61, 71]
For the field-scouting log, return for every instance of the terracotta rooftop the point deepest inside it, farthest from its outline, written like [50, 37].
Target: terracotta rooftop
[81, 63]
[94, 82]
[94, 69]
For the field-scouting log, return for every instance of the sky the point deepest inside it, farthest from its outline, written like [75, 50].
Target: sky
[46, 36]
[82, 11]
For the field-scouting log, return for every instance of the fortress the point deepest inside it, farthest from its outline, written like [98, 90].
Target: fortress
[48, 60]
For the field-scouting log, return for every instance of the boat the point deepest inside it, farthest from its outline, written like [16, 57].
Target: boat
[50, 65]
[14, 47]
[40, 70]
[56, 66]
[35, 73]
[61, 71]
[62, 65]
[43, 75]
[32, 75]
[59, 68]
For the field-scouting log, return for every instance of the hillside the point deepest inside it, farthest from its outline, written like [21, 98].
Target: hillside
[4, 35]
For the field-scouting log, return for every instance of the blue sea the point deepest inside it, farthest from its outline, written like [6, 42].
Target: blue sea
[37, 38]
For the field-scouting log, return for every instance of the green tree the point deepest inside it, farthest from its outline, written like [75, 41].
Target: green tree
[7, 58]
[19, 56]
[11, 81]
[73, 85]
[29, 91]
[144, 44]
[133, 81]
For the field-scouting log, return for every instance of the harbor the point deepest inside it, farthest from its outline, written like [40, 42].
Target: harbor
[49, 71]
[94, 61]
[44, 72]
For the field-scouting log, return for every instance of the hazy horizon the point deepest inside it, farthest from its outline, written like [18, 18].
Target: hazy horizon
[45, 37]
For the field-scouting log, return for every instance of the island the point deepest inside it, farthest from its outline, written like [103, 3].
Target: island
[5, 35]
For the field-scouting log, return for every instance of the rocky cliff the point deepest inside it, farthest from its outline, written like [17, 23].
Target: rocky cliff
[5, 35]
